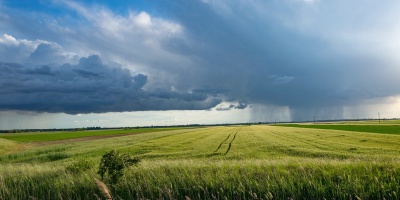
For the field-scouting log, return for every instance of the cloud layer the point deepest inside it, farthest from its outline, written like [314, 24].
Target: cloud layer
[312, 57]
[86, 87]
[89, 86]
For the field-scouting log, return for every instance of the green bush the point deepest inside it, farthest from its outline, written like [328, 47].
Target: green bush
[112, 165]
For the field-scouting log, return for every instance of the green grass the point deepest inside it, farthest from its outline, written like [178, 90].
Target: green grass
[53, 136]
[232, 162]
[385, 129]
[367, 122]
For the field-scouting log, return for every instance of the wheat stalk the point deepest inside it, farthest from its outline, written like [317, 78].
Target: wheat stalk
[103, 188]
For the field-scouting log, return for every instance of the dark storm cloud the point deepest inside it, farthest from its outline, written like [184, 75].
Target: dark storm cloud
[259, 52]
[226, 107]
[313, 57]
[89, 86]
[43, 70]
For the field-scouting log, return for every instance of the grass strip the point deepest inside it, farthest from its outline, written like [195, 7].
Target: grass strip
[384, 129]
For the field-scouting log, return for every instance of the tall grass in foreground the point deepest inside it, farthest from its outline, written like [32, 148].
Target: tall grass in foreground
[202, 179]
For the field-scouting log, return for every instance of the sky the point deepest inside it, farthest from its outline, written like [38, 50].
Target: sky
[70, 63]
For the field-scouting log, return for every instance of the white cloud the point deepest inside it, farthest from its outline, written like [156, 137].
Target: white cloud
[9, 40]
[134, 23]
[142, 19]
[137, 40]
[33, 52]
[16, 50]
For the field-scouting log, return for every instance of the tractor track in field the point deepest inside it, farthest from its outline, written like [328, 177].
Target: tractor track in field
[230, 144]
[223, 142]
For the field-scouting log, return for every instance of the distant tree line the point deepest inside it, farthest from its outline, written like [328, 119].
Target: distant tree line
[187, 125]
[50, 130]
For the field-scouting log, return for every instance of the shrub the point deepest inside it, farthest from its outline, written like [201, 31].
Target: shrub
[112, 165]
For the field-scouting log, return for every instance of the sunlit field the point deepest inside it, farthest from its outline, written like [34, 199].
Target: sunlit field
[223, 162]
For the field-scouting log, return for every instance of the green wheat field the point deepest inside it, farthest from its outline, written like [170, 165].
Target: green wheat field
[304, 161]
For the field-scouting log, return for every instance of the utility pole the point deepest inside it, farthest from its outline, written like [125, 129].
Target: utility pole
[313, 119]
[379, 117]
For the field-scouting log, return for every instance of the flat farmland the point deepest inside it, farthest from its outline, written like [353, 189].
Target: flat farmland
[66, 135]
[221, 162]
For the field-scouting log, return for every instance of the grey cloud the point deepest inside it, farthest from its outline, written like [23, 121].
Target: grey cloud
[48, 54]
[42, 70]
[85, 73]
[139, 81]
[87, 87]
[266, 53]
[239, 105]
